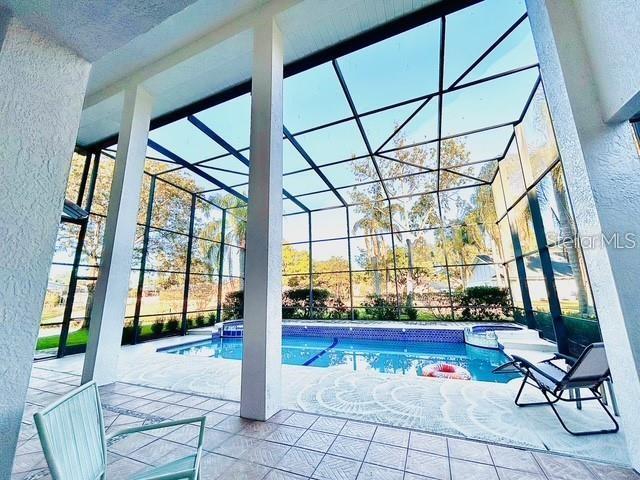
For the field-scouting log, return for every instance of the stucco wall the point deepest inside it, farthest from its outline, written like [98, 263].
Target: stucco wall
[601, 164]
[611, 30]
[41, 92]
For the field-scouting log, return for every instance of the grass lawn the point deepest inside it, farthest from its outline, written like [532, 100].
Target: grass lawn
[79, 337]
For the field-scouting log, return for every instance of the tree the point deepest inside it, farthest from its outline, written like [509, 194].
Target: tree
[563, 216]
[374, 218]
[411, 179]
[540, 152]
[235, 228]
[337, 284]
[295, 261]
[171, 209]
[476, 230]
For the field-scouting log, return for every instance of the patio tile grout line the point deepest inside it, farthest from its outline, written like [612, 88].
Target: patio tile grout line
[324, 455]
[148, 416]
[347, 419]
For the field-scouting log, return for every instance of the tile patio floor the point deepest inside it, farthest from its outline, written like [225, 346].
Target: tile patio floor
[290, 446]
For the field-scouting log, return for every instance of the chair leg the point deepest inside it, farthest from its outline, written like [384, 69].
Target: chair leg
[578, 400]
[530, 404]
[614, 400]
[524, 382]
[585, 432]
[603, 393]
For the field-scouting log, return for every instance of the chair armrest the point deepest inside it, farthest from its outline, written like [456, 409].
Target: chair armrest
[155, 426]
[567, 358]
[522, 360]
[509, 367]
[528, 365]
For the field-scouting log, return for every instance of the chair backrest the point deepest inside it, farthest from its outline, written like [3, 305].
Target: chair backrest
[590, 368]
[72, 435]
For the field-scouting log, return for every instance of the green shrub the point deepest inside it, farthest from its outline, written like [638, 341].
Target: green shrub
[483, 304]
[337, 309]
[173, 324]
[381, 308]
[322, 303]
[157, 326]
[212, 318]
[128, 333]
[233, 305]
[200, 320]
[412, 313]
[288, 312]
[296, 303]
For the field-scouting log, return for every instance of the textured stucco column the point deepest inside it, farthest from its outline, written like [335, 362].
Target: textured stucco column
[601, 164]
[110, 297]
[42, 88]
[261, 360]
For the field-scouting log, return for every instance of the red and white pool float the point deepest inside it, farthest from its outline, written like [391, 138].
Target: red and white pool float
[446, 370]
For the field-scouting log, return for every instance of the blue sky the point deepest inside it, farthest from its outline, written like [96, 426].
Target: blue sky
[394, 70]
[391, 71]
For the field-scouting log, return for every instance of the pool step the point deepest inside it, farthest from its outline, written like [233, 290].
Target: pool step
[524, 340]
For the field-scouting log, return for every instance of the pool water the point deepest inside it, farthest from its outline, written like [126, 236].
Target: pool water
[406, 358]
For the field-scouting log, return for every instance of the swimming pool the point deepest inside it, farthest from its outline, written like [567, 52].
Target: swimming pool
[406, 358]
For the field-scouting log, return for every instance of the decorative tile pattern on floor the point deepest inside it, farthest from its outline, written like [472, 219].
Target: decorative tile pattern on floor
[475, 410]
[290, 446]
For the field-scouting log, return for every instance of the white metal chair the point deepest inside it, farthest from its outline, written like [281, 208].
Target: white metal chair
[74, 442]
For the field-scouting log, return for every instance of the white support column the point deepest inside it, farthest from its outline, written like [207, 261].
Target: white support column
[261, 361]
[42, 87]
[110, 298]
[601, 164]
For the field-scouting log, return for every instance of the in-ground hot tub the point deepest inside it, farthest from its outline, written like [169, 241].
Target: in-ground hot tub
[485, 336]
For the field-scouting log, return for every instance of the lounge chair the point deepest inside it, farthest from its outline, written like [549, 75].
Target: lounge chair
[589, 371]
[74, 443]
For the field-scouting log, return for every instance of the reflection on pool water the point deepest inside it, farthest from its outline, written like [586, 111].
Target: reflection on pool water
[406, 358]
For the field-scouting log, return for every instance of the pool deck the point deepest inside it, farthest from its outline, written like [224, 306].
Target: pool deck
[472, 410]
[290, 446]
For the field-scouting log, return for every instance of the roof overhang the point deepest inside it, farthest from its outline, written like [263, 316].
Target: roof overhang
[217, 65]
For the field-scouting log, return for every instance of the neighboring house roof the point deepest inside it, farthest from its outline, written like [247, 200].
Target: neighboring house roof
[484, 259]
[561, 267]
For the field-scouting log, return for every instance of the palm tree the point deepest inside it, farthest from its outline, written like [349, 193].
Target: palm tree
[546, 154]
[209, 250]
[564, 218]
[409, 176]
[375, 218]
[236, 225]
